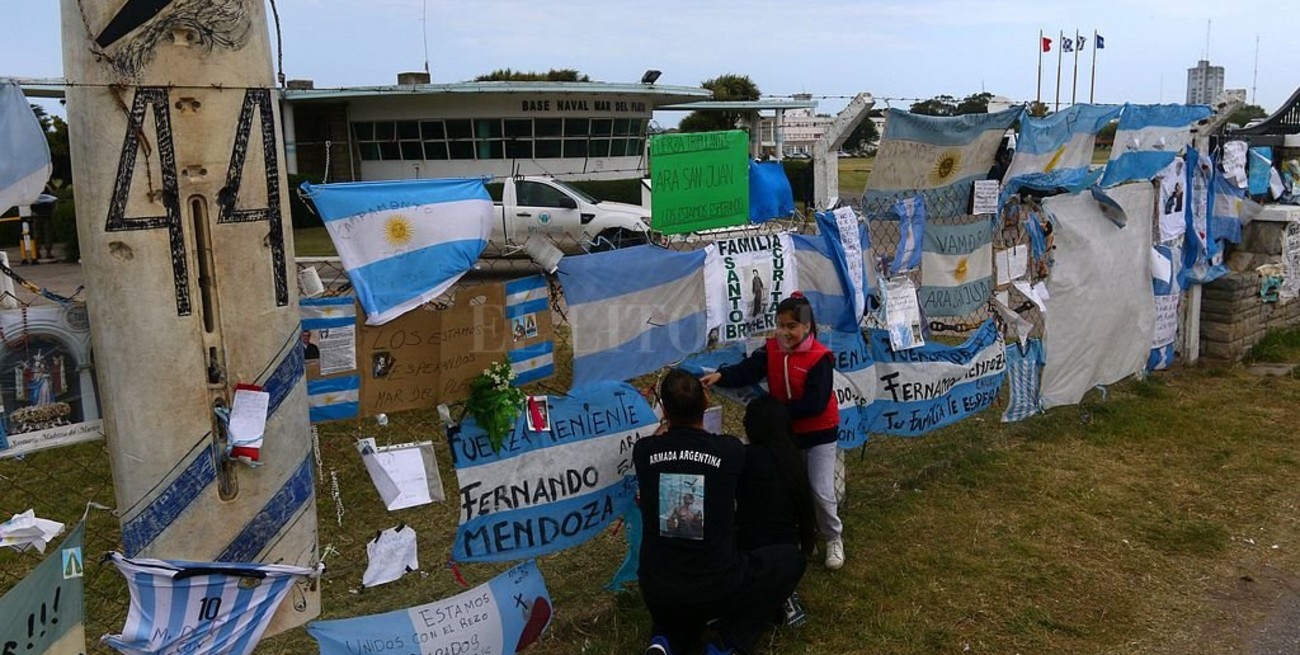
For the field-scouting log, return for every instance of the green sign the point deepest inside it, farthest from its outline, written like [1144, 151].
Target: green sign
[699, 181]
[42, 614]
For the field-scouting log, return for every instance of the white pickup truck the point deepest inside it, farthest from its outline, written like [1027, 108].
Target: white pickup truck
[571, 219]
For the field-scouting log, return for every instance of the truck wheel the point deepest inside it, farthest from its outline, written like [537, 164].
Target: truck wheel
[617, 237]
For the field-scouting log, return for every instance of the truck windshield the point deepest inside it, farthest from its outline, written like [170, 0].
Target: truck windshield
[579, 194]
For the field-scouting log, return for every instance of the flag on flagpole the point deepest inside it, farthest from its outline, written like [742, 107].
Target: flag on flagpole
[1067, 45]
[404, 243]
[1047, 44]
[1080, 44]
[1099, 42]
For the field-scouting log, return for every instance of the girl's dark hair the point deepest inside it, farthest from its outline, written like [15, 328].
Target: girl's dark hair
[799, 306]
[767, 424]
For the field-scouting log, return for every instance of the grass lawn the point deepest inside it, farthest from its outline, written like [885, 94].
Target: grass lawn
[313, 242]
[1159, 521]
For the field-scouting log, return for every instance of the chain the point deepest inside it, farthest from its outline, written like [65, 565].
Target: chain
[338, 497]
[315, 449]
[329, 145]
[279, 46]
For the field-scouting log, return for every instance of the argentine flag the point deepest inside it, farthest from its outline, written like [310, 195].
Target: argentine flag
[937, 157]
[25, 166]
[404, 243]
[1059, 147]
[1148, 138]
[633, 310]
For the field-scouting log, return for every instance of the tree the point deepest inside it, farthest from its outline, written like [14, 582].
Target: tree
[1245, 114]
[944, 105]
[553, 75]
[726, 87]
[1106, 135]
[975, 103]
[1038, 109]
[864, 135]
[56, 134]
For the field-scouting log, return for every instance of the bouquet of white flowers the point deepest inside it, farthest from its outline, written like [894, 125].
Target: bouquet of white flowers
[494, 403]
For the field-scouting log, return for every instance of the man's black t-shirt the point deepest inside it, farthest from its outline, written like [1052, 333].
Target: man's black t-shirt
[688, 481]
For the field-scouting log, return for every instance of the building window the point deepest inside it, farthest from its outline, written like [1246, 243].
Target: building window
[499, 138]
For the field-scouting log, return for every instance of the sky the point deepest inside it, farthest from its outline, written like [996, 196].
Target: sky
[898, 50]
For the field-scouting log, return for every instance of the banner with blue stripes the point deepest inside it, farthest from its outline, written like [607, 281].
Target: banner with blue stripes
[548, 490]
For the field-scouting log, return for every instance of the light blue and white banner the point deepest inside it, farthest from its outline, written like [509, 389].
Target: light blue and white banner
[334, 399]
[1164, 281]
[633, 310]
[1148, 138]
[1202, 249]
[850, 246]
[956, 268]
[745, 278]
[551, 489]
[528, 302]
[923, 389]
[911, 234]
[44, 613]
[835, 282]
[501, 617]
[1059, 147]
[1259, 169]
[854, 381]
[25, 164]
[938, 157]
[404, 243]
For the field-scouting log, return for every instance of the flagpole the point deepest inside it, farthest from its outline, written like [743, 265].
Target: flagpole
[1038, 99]
[1093, 88]
[1059, 57]
[1074, 91]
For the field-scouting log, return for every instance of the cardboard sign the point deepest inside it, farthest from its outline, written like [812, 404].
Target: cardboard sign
[701, 181]
[428, 356]
[43, 613]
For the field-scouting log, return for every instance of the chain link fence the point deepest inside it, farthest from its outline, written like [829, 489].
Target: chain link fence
[58, 483]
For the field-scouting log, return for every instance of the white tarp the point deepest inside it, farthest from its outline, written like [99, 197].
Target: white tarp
[24, 152]
[1103, 316]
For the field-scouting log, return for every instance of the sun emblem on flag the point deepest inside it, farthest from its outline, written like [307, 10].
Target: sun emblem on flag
[397, 230]
[963, 269]
[946, 167]
[1056, 159]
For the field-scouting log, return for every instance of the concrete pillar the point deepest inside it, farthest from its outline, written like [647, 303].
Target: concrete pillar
[778, 134]
[187, 248]
[290, 139]
[826, 163]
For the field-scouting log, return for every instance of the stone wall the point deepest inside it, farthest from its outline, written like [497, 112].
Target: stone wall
[1234, 317]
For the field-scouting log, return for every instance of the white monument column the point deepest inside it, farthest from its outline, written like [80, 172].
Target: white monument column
[187, 250]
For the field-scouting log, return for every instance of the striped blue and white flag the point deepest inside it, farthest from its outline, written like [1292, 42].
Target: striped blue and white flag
[956, 268]
[334, 399]
[1164, 281]
[938, 157]
[1057, 149]
[1148, 138]
[633, 310]
[833, 271]
[25, 166]
[528, 302]
[548, 490]
[911, 234]
[1024, 373]
[404, 243]
[200, 608]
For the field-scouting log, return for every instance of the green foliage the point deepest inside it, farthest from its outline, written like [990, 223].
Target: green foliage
[1245, 114]
[943, 105]
[726, 87]
[1106, 135]
[976, 103]
[494, 402]
[65, 224]
[1277, 346]
[56, 133]
[553, 75]
[863, 136]
[1038, 109]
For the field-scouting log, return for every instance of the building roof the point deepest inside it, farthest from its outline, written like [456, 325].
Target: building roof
[53, 87]
[661, 94]
[741, 105]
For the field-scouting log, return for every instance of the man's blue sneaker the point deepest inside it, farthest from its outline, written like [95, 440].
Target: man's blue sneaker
[658, 646]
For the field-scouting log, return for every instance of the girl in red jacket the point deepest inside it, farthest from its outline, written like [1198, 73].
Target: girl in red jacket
[799, 372]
